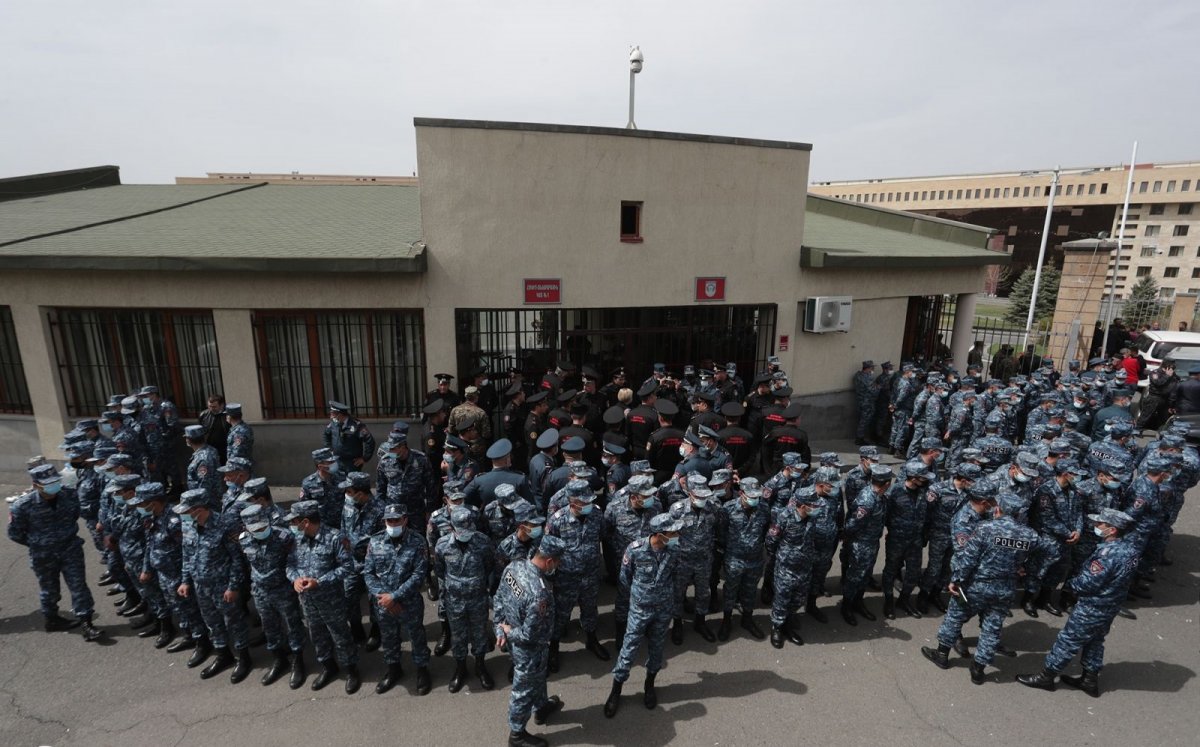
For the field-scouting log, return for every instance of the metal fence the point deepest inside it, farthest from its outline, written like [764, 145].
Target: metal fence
[1001, 339]
[14, 393]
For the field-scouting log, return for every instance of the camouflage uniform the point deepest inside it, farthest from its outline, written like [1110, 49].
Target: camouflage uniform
[213, 564]
[398, 567]
[646, 578]
[50, 531]
[791, 539]
[324, 557]
[695, 553]
[466, 571]
[274, 597]
[578, 578]
[523, 601]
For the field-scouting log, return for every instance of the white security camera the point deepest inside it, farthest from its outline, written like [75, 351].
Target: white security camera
[635, 60]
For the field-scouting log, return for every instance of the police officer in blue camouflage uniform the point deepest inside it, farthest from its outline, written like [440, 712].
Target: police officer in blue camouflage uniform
[827, 527]
[984, 576]
[234, 474]
[907, 517]
[949, 497]
[1100, 588]
[791, 539]
[46, 521]
[362, 516]
[698, 512]
[404, 476]
[394, 570]
[465, 563]
[317, 566]
[863, 530]
[865, 391]
[350, 440]
[438, 527]
[626, 520]
[141, 514]
[164, 559]
[128, 529]
[524, 623]
[499, 515]
[239, 442]
[213, 567]
[646, 578]
[322, 486]
[742, 528]
[904, 391]
[1058, 518]
[523, 542]
[267, 546]
[579, 526]
[202, 469]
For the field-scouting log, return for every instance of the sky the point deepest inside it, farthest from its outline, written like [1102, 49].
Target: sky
[922, 87]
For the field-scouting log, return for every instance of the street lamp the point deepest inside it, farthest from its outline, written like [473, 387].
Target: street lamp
[1112, 286]
[1037, 274]
[635, 67]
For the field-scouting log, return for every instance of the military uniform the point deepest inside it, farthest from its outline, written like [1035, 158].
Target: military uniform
[791, 540]
[240, 442]
[647, 579]
[398, 566]
[324, 491]
[743, 531]
[276, 601]
[865, 392]
[350, 441]
[696, 541]
[213, 564]
[49, 529]
[466, 570]
[523, 601]
[907, 517]
[624, 525]
[202, 474]
[578, 579]
[411, 483]
[325, 557]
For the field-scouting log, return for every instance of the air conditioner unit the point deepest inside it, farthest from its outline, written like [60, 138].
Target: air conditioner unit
[827, 314]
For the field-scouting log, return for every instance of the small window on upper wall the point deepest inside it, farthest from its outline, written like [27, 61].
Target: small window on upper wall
[631, 221]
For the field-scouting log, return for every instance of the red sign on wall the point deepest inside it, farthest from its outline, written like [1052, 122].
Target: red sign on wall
[710, 289]
[543, 290]
[783, 343]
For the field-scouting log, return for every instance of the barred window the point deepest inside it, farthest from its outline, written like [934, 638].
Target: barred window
[101, 352]
[372, 361]
[14, 394]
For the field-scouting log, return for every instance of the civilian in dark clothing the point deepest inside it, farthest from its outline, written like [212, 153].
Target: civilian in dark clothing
[1186, 399]
[216, 429]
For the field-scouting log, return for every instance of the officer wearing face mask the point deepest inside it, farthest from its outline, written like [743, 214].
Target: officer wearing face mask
[647, 571]
[317, 565]
[827, 524]
[578, 525]
[1016, 478]
[362, 516]
[616, 472]
[267, 546]
[350, 440]
[742, 528]
[322, 486]
[863, 530]
[522, 543]
[438, 527]
[395, 568]
[791, 539]
[908, 504]
[626, 520]
[699, 517]
[46, 521]
[465, 563]
[693, 457]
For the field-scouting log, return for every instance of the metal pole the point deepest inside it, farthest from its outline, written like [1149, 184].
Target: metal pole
[631, 125]
[1112, 286]
[1037, 275]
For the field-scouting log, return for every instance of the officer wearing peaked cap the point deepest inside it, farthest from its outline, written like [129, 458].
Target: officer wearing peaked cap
[442, 391]
[322, 486]
[202, 469]
[482, 490]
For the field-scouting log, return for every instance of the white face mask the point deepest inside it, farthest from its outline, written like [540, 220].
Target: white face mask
[683, 452]
[394, 532]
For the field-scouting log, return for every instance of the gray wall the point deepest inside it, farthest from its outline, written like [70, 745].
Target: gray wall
[18, 442]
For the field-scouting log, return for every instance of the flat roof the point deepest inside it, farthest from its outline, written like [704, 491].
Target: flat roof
[483, 124]
[248, 227]
[840, 233]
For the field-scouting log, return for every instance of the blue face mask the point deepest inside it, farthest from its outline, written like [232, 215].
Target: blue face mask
[586, 509]
[699, 502]
[751, 502]
[261, 534]
[106, 429]
[1099, 532]
[1110, 485]
[296, 531]
[142, 511]
[146, 402]
[536, 532]
[187, 518]
[672, 542]
[463, 535]
[648, 502]
[52, 488]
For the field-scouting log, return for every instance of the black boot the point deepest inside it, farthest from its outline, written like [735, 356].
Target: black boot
[960, 648]
[390, 678]
[614, 700]
[299, 671]
[424, 683]
[749, 626]
[1004, 650]
[224, 660]
[91, 632]
[726, 626]
[525, 739]
[1043, 680]
[140, 622]
[356, 628]
[57, 623]
[443, 645]
[1089, 682]
[977, 673]
[1027, 604]
[279, 667]
[776, 636]
[813, 611]
[329, 672]
[203, 649]
[848, 613]
[166, 634]
[889, 606]
[937, 655]
[860, 607]
[701, 627]
[906, 604]
[677, 631]
[185, 643]
[923, 602]
[512, 673]
[552, 659]
[373, 638]
[619, 627]
[460, 675]
[106, 578]
[152, 630]
[485, 677]
[353, 679]
[650, 698]
[1044, 603]
[593, 645]
[130, 603]
[552, 706]
[793, 634]
[244, 665]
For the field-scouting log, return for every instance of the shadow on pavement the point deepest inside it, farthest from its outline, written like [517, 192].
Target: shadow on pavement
[23, 624]
[1150, 676]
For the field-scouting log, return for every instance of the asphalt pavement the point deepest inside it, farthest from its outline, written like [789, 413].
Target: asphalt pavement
[864, 685]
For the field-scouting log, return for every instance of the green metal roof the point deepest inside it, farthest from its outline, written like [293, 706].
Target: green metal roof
[838, 233]
[281, 228]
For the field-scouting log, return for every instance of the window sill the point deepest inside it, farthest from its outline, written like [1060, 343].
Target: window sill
[631, 239]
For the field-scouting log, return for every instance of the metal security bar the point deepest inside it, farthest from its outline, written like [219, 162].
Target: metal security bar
[14, 393]
[372, 361]
[533, 340]
[101, 352]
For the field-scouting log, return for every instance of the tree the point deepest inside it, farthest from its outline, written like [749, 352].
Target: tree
[1142, 306]
[1022, 288]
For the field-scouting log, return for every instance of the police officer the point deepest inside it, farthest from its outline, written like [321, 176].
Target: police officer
[827, 520]
[240, 440]
[865, 392]
[434, 416]
[362, 517]
[499, 516]
[267, 547]
[579, 526]
[524, 623]
[1100, 588]
[465, 563]
[542, 465]
[522, 543]
[46, 521]
[442, 391]
[481, 491]
[317, 566]
[234, 474]
[742, 528]
[322, 486]
[202, 469]
[864, 528]
[626, 520]
[164, 559]
[949, 496]
[395, 568]
[404, 476]
[141, 514]
[698, 514]
[784, 438]
[213, 567]
[984, 577]
[791, 540]
[351, 441]
[907, 517]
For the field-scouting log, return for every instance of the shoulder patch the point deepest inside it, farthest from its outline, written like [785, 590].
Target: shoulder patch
[860, 513]
[1095, 567]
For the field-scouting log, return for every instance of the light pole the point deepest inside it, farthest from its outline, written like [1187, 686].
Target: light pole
[1037, 274]
[635, 67]
[1112, 286]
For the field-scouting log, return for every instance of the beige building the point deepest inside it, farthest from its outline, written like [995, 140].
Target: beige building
[523, 245]
[1162, 234]
[228, 177]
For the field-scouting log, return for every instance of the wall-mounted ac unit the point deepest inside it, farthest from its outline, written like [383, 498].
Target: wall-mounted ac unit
[827, 314]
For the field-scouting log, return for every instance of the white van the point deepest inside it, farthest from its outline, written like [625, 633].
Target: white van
[1155, 346]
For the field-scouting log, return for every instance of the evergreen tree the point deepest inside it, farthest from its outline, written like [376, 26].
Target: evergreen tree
[1142, 306]
[1022, 288]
